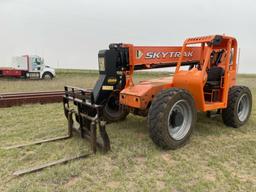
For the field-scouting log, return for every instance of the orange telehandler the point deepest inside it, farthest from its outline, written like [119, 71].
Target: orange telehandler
[204, 80]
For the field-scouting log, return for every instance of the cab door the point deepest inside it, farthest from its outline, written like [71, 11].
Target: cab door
[36, 64]
[193, 80]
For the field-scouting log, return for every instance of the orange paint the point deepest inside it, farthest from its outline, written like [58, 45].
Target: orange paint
[197, 49]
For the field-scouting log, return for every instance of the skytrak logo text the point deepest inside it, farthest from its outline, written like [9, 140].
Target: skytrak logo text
[163, 55]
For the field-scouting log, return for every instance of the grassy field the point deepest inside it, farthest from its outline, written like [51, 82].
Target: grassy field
[217, 158]
[77, 78]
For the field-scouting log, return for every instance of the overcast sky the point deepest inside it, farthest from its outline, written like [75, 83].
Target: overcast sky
[68, 34]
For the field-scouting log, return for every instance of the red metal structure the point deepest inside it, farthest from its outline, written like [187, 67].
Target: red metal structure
[16, 99]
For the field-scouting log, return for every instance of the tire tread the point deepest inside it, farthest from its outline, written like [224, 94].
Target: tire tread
[229, 115]
[156, 113]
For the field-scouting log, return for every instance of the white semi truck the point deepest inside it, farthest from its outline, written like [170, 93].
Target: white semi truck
[28, 66]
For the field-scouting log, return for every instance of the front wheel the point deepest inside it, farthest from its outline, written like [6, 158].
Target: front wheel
[47, 76]
[171, 118]
[239, 106]
[113, 111]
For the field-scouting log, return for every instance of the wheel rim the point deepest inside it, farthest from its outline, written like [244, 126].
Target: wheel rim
[243, 107]
[47, 76]
[179, 119]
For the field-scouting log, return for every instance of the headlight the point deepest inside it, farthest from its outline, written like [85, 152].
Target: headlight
[101, 64]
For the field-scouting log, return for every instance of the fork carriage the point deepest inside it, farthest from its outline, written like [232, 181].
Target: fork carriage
[87, 114]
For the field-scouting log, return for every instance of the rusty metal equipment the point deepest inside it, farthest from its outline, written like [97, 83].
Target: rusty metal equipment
[89, 118]
[16, 99]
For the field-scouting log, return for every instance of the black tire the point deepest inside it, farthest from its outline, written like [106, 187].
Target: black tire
[113, 111]
[160, 118]
[238, 109]
[47, 75]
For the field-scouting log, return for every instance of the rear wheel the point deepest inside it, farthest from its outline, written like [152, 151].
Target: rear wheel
[113, 111]
[171, 118]
[239, 106]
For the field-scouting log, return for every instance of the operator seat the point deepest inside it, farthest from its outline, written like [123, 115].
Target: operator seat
[215, 72]
[214, 77]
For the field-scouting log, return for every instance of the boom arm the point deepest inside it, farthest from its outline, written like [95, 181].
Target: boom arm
[118, 63]
[143, 57]
[149, 57]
